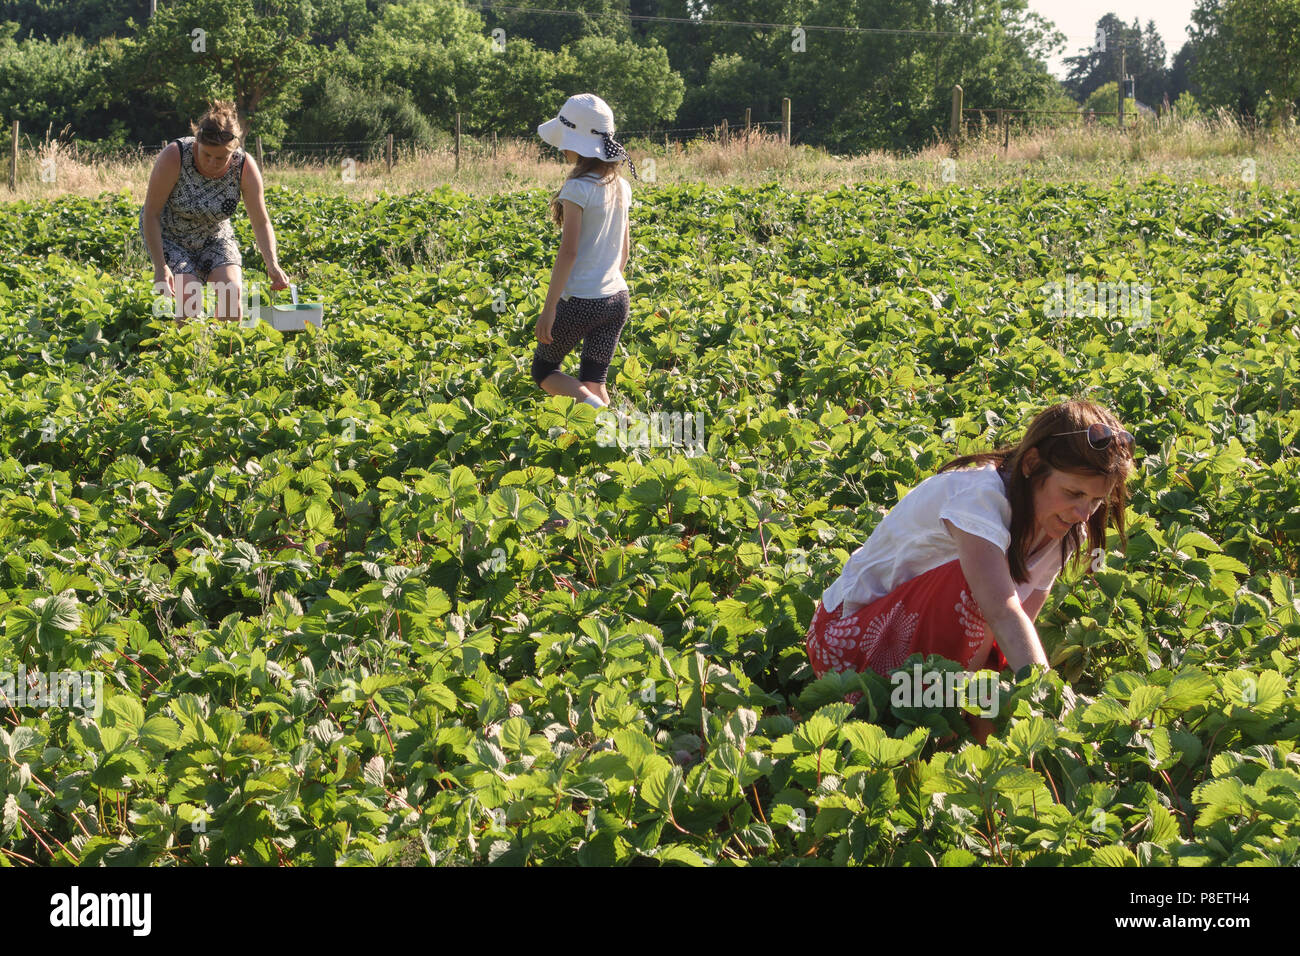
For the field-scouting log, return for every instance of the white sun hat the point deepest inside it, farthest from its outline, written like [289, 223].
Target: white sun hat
[585, 125]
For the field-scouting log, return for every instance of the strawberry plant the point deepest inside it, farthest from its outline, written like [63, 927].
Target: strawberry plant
[364, 596]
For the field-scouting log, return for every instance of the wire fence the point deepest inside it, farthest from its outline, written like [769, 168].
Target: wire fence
[451, 148]
[394, 149]
[349, 156]
[44, 157]
[482, 146]
[478, 145]
[985, 117]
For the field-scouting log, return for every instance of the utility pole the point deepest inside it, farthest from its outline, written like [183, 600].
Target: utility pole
[1120, 84]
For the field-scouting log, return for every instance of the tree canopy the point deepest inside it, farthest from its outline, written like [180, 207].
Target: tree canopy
[861, 74]
[1247, 54]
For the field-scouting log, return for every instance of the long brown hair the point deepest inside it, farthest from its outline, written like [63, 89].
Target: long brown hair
[1061, 452]
[585, 166]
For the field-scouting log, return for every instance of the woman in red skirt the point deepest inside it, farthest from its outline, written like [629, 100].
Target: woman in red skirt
[961, 566]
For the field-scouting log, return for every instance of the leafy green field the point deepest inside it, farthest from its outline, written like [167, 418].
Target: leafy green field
[368, 596]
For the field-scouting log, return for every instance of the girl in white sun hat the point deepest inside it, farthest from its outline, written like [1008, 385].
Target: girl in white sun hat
[587, 300]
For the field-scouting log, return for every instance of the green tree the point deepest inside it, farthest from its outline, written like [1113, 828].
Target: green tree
[524, 86]
[43, 82]
[51, 85]
[999, 62]
[195, 51]
[733, 84]
[1144, 60]
[888, 86]
[442, 56]
[1105, 100]
[344, 21]
[1181, 70]
[1247, 50]
[88, 19]
[635, 80]
[551, 31]
[343, 112]
[692, 47]
[435, 51]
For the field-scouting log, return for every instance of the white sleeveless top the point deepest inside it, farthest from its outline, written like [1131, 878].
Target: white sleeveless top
[912, 539]
[595, 272]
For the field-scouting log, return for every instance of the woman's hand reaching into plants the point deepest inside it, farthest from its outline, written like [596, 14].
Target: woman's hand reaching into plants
[164, 283]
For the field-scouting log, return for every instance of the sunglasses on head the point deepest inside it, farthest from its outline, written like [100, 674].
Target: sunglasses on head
[1100, 435]
[210, 135]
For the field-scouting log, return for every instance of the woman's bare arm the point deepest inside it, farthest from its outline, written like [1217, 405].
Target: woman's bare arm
[162, 180]
[989, 577]
[251, 188]
[1034, 603]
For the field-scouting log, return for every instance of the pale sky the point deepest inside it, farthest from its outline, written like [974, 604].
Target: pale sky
[1077, 19]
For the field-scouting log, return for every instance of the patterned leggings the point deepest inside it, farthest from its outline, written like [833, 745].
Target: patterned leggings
[597, 323]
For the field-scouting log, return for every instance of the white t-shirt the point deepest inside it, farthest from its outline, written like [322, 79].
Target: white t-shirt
[912, 539]
[600, 247]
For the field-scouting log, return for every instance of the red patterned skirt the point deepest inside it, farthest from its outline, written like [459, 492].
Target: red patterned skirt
[934, 613]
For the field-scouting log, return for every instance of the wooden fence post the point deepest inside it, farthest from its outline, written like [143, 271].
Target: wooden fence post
[725, 137]
[260, 163]
[388, 152]
[13, 162]
[748, 113]
[785, 119]
[458, 142]
[494, 144]
[955, 129]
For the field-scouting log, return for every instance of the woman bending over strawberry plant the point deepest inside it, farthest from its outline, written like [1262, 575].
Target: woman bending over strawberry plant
[194, 189]
[961, 566]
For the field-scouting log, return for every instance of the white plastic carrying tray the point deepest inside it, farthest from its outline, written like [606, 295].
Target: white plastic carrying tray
[293, 317]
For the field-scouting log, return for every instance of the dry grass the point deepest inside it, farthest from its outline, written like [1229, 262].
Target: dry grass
[57, 167]
[1209, 150]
